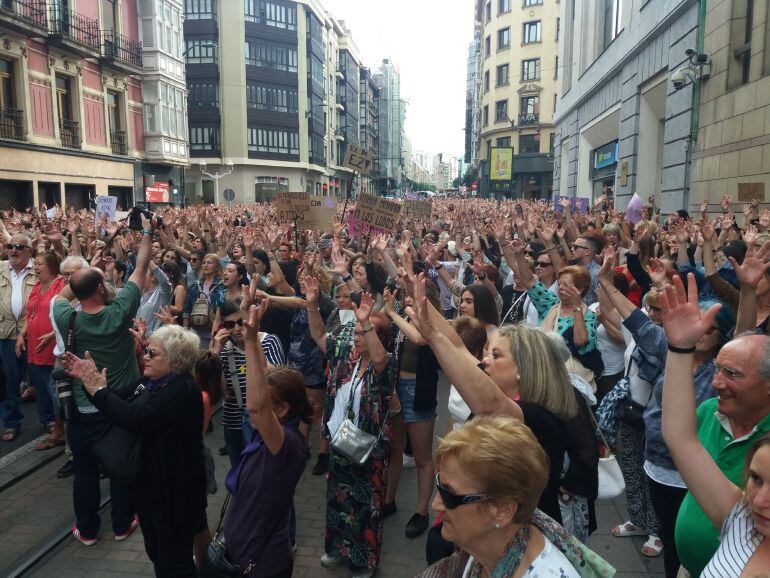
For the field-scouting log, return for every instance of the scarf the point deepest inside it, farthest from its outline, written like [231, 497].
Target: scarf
[155, 384]
[585, 561]
[233, 476]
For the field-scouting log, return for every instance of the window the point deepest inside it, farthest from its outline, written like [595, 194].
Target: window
[64, 98]
[613, 12]
[271, 98]
[558, 27]
[485, 115]
[532, 2]
[271, 56]
[740, 43]
[113, 111]
[262, 140]
[486, 81]
[487, 46]
[204, 138]
[503, 6]
[488, 11]
[503, 38]
[502, 75]
[531, 32]
[530, 69]
[7, 99]
[530, 110]
[503, 142]
[501, 111]
[201, 51]
[200, 9]
[271, 14]
[203, 93]
[529, 143]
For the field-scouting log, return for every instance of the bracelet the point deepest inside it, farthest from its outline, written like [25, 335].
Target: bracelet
[146, 232]
[316, 310]
[347, 278]
[368, 330]
[683, 350]
[438, 267]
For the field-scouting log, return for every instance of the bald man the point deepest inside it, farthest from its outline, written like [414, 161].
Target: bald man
[728, 425]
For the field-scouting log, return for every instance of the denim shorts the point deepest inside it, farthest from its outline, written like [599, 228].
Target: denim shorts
[405, 389]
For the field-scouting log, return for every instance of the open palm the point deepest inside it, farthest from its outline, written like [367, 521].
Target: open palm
[683, 320]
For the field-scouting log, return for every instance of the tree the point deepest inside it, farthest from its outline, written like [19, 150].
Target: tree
[456, 183]
[424, 187]
[471, 174]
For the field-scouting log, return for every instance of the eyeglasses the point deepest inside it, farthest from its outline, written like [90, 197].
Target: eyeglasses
[452, 500]
[151, 353]
[729, 373]
[194, 259]
[230, 324]
[542, 264]
[576, 246]
[16, 246]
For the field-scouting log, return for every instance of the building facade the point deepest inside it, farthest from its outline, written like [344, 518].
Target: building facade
[71, 117]
[473, 96]
[621, 126]
[519, 73]
[369, 126]
[732, 151]
[391, 126]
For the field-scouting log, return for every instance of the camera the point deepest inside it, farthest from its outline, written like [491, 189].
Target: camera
[678, 79]
[65, 393]
[135, 218]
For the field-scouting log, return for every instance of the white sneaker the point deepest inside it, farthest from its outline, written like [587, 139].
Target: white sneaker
[408, 461]
[367, 573]
[331, 560]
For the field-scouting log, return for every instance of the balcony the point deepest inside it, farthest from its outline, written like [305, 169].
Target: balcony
[528, 118]
[12, 123]
[118, 142]
[25, 16]
[69, 131]
[72, 31]
[121, 52]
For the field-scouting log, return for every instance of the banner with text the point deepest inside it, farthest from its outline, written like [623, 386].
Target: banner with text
[419, 210]
[373, 215]
[358, 159]
[311, 211]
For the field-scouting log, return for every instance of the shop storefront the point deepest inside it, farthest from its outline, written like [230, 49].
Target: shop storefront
[604, 163]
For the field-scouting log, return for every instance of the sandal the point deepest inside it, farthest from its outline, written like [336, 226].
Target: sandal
[627, 529]
[10, 434]
[652, 547]
[49, 443]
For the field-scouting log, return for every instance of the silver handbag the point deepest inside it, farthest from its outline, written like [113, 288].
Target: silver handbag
[350, 441]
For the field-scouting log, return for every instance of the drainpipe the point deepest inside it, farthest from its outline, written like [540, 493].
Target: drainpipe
[695, 115]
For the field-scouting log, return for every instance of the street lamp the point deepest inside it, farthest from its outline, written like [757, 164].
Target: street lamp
[216, 176]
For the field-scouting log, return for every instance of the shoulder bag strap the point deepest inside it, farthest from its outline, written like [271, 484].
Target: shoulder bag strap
[69, 341]
[234, 375]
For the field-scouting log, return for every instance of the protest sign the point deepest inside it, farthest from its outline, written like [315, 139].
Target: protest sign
[51, 213]
[387, 214]
[105, 209]
[358, 159]
[580, 202]
[358, 228]
[291, 206]
[374, 215]
[321, 211]
[416, 209]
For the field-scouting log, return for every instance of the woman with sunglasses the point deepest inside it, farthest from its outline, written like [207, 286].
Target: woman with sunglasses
[229, 345]
[488, 497]
[166, 411]
[361, 381]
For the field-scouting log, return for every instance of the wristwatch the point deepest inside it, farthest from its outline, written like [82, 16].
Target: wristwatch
[347, 278]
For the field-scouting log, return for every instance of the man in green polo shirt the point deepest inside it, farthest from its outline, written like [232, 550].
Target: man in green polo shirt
[728, 425]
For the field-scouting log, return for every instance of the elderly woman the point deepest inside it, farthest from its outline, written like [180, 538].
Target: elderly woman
[166, 411]
[488, 497]
[361, 381]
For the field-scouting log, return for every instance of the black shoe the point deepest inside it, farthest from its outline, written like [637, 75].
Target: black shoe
[66, 470]
[388, 509]
[322, 465]
[223, 451]
[416, 525]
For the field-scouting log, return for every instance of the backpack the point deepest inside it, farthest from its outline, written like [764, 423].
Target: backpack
[201, 315]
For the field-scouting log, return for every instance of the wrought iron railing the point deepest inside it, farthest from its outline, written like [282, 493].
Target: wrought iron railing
[118, 142]
[73, 26]
[115, 45]
[32, 11]
[69, 130]
[529, 118]
[12, 123]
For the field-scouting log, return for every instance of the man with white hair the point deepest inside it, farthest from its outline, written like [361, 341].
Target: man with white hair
[17, 277]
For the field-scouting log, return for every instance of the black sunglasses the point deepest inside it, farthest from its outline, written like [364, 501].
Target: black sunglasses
[230, 324]
[542, 264]
[151, 353]
[16, 246]
[452, 500]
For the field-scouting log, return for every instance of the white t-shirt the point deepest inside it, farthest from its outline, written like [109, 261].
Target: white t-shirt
[550, 562]
[640, 388]
[458, 409]
[611, 350]
[17, 288]
[341, 401]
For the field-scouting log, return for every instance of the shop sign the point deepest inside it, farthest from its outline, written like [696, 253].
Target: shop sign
[606, 156]
[157, 193]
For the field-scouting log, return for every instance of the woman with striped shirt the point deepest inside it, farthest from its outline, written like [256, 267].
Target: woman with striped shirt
[742, 515]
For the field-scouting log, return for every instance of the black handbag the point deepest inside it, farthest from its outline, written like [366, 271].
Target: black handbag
[119, 451]
[631, 413]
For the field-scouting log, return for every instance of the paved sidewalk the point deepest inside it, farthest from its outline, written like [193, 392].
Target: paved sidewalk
[401, 557]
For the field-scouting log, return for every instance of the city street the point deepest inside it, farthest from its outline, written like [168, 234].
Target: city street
[37, 510]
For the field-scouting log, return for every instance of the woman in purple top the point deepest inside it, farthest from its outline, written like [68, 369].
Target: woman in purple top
[256, 527]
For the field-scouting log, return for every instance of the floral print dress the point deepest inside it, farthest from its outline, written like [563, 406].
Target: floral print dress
[355, 494]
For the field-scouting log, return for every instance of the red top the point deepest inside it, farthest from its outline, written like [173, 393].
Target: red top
[39, 322]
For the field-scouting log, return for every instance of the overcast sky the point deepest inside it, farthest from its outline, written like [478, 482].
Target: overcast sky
[428, 42]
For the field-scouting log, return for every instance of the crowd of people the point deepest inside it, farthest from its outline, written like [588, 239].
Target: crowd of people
[564, 335]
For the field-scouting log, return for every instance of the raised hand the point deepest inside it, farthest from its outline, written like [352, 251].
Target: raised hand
[517, 245]
[750, 235]
[165, 316]
[725, 203]
[683, 320]
[252, 321]
[311, 291]
[364, 310]
[139, 331]
[708, 230]
[755, 265]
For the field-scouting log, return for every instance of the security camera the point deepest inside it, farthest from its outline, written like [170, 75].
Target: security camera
[679, 79]
[202, 165]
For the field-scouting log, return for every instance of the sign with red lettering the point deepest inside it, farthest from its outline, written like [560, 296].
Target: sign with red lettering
[157, 193]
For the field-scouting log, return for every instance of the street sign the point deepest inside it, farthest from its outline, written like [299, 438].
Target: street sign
[229, 195]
